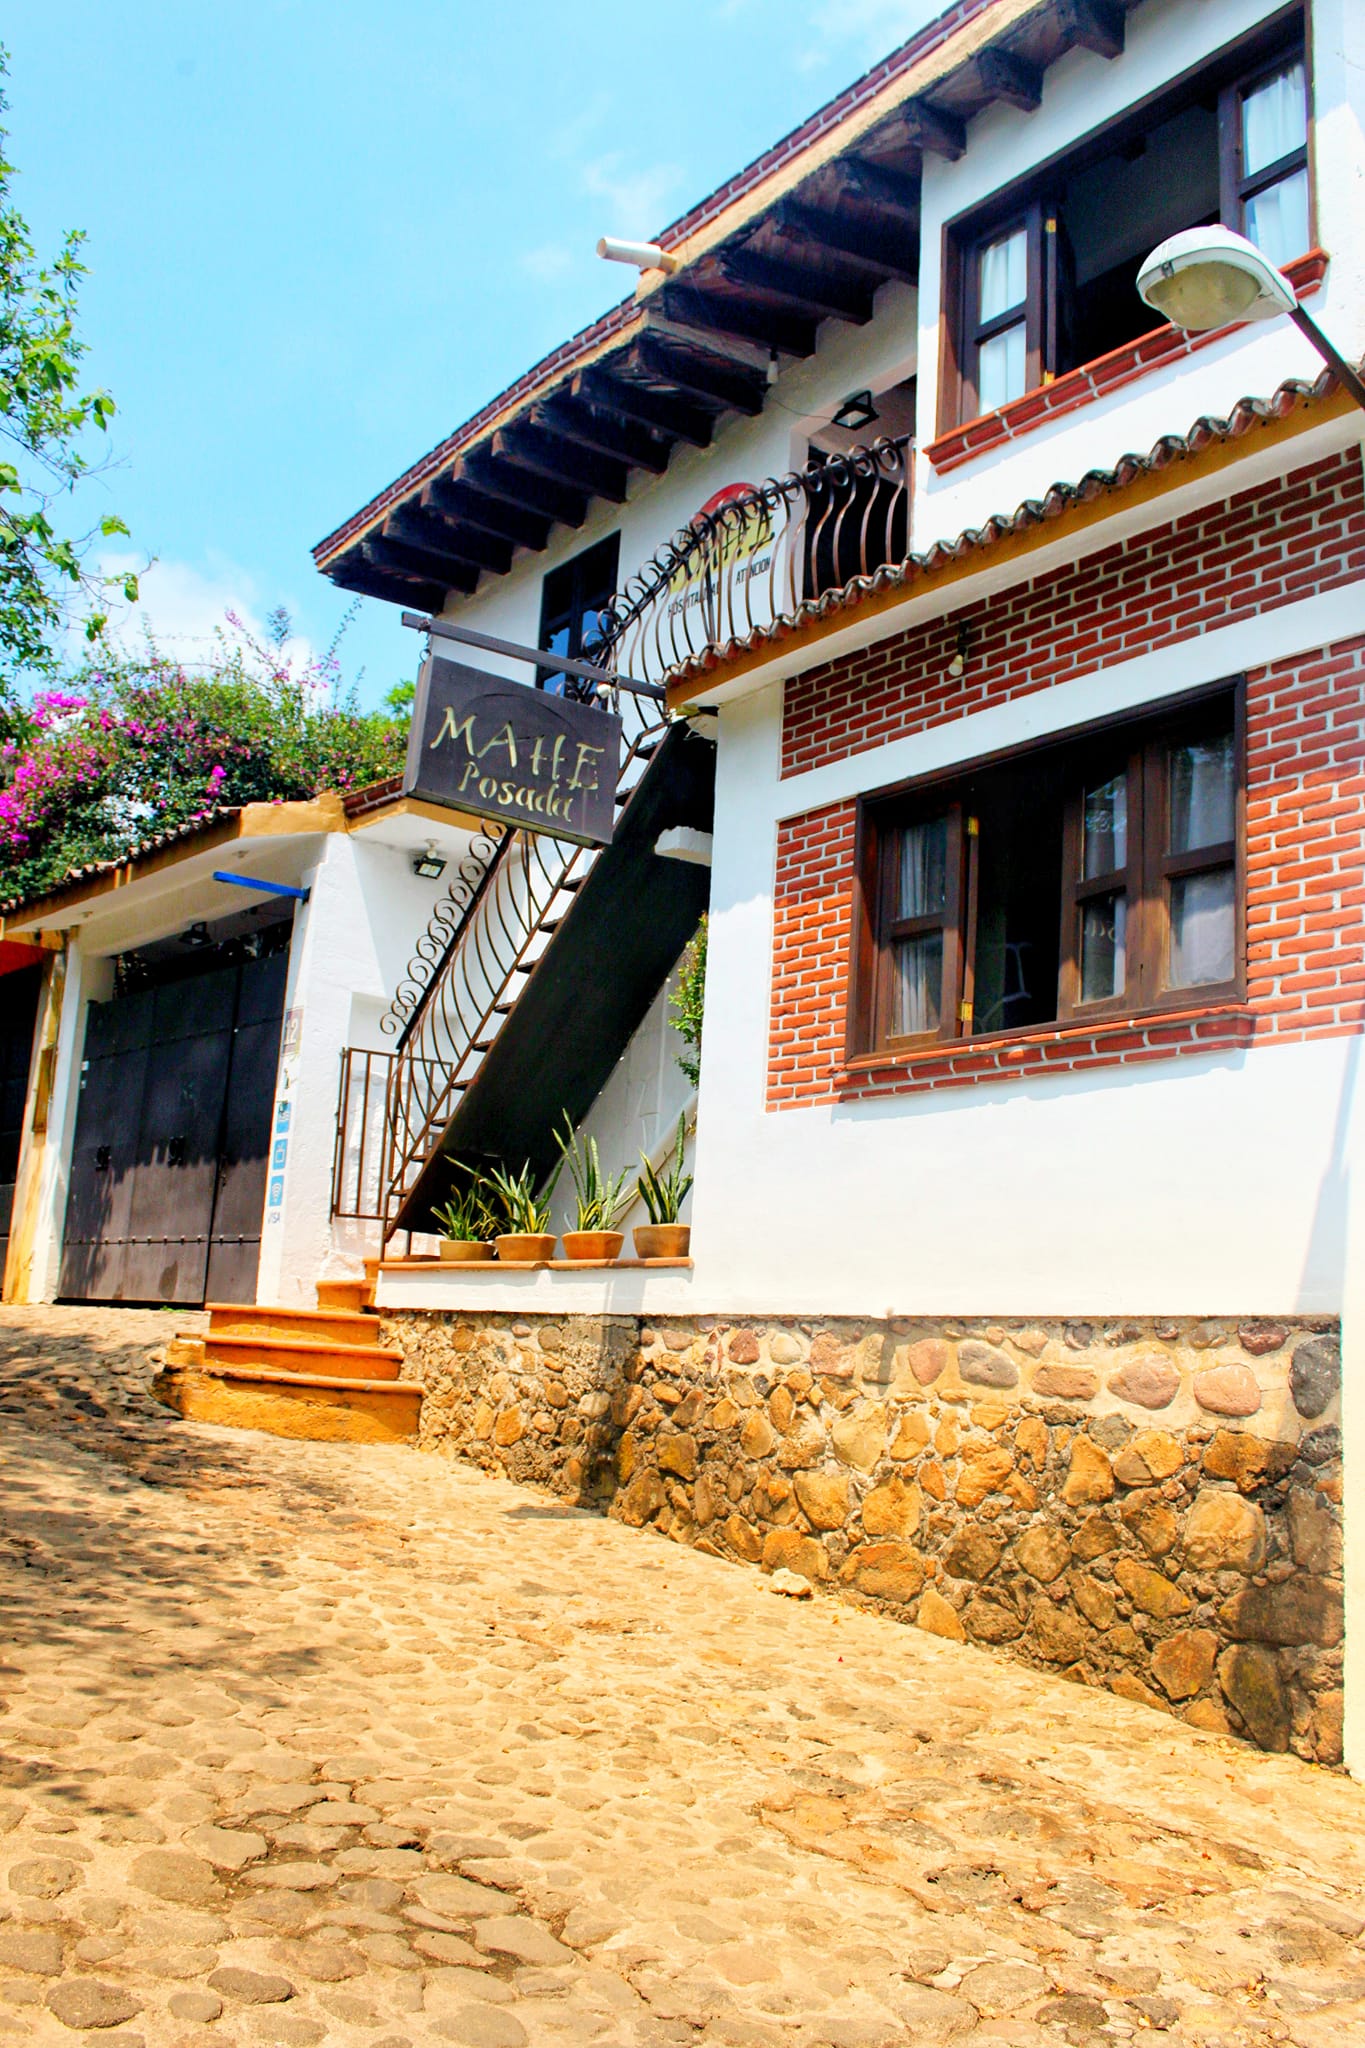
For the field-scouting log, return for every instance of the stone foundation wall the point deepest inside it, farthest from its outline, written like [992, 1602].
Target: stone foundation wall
[1152, 1506]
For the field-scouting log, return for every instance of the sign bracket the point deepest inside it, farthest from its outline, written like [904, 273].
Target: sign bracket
[539, 657]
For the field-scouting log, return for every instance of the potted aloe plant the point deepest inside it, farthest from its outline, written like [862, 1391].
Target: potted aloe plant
[466, 1221]
[663, 1194]
[525, 1214]
[599, 1199]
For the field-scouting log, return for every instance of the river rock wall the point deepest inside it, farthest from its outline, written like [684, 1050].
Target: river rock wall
[1153, 1506]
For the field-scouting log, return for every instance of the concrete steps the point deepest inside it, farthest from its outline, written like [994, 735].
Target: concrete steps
[320, 1374]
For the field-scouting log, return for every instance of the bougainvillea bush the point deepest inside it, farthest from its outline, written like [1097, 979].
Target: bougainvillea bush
[129, 747]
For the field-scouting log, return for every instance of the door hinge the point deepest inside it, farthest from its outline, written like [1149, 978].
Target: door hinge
[973, 828]
[964, 1013]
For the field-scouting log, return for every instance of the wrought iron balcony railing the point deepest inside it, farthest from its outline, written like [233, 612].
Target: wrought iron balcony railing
[758, 555]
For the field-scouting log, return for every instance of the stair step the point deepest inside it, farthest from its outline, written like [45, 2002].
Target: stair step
[293, 1404]
[323, 1325]
[285, 1354]
[347, 1297]
[549, 924]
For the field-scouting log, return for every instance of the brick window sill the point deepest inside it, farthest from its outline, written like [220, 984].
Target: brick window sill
[1095, 380]
[1131, 1040]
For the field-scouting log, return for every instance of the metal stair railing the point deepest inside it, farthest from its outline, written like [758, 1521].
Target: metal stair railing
[450, 1009]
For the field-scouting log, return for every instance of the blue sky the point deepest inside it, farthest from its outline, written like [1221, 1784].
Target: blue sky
[320, 236]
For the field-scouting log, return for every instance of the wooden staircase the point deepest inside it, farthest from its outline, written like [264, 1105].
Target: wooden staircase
[318, 1373]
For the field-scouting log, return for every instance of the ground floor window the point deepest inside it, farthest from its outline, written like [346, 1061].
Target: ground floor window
[1085, 878]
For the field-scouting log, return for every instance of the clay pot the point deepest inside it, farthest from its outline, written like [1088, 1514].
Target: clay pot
[464, 1251]
[662, 1240]
[526, 1248]
[601, 1246]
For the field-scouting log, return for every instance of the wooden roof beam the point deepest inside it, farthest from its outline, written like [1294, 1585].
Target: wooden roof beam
[418, 564]
[809, 289]
[873, 248]
[709, 313]
[889, 189]
[512, 485]
[1092, 24]
[718, 383]
[1009, 78]
[455, 497]
[545, 455]
[932, 132]
[604, 433]
[439, 535]
[672, 416]
[348, 572]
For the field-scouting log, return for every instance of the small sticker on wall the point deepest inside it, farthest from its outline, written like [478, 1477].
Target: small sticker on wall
[282, 1110]
[276, 1193]
[279, 1155]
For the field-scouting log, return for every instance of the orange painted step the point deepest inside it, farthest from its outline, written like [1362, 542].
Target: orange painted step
[347, 1296]
[305, 1325]
[301, 1405]
[283, 1354]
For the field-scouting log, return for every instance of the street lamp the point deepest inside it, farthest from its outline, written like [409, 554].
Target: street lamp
[1208, 277]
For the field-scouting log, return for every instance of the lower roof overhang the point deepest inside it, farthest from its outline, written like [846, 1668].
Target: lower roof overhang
[1258, 438]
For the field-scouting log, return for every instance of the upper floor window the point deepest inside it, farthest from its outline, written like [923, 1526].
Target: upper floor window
[1089, 878]
[1043, 278]
[571, 599]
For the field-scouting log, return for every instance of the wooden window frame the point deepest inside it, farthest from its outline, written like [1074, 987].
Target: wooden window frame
[1250, 59]
[578, 574]
[977, 331]
[1237, 186]
[1138, 744]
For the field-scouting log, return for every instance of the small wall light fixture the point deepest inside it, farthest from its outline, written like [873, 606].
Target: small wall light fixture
[858, 410]
[428, 863]
[1205, 278]
[963, 649]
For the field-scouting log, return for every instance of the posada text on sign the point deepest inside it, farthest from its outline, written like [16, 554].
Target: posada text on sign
[502, 750]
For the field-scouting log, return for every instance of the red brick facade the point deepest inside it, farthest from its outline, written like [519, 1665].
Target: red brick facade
[1305, 786]
[1281, 541]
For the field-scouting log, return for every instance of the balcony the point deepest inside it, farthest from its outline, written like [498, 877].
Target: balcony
[757, 560]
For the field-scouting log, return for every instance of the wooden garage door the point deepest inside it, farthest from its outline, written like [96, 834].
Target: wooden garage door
[172, 1134]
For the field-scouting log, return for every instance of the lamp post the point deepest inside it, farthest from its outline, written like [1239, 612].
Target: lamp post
[1209, 277]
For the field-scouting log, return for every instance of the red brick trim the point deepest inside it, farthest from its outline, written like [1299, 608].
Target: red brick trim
[1305, 917]
[1268, 546]
[1095, 380]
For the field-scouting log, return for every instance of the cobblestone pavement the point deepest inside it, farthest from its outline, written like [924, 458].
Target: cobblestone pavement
[309, 1743]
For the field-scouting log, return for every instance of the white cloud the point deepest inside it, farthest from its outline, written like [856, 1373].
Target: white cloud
[185, 610]
[548, 262]
[633, 200]
[862, 29]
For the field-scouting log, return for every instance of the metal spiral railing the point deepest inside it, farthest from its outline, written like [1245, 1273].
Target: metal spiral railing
[759, 555]
[524, 888]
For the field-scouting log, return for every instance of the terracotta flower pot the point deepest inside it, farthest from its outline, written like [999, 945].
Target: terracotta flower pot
[526, 1248]
[662, 1240]
[464, 1251]
[602, 1246]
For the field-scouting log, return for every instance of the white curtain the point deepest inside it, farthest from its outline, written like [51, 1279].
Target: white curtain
[1004, 275]
[1274, 120]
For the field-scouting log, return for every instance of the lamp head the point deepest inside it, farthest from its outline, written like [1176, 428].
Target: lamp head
[1205, 278]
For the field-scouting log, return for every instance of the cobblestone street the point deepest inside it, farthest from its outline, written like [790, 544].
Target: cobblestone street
[308, 1743]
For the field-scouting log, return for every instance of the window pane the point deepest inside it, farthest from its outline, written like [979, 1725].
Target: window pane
[1277, 219]
[1202, 794]
[1106, 828]
[1103, 924]
[919, 985]
[1001, 369]
[1203, 929]
[1004, 275]
[924, 869]
[1274, 120]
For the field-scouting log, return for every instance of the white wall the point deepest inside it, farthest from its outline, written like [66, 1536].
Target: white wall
[1215, 1183]
[637, 1110]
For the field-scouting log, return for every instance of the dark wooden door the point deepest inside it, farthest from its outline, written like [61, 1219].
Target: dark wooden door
[171, 1139]
[244, 1149]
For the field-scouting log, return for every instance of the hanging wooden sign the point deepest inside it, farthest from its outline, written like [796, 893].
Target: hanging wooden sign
[499, 749]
